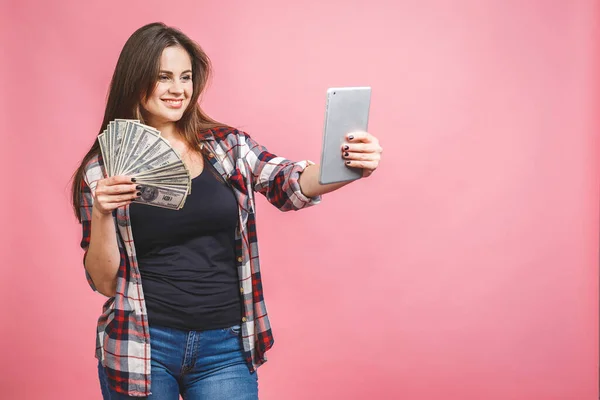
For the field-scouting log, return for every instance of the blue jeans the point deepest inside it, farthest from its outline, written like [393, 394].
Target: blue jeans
[196, 364]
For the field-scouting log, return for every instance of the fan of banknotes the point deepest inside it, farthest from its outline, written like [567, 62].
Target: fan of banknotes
[130, 148]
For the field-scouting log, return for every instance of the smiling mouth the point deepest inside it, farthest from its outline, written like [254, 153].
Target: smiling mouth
[173, 104]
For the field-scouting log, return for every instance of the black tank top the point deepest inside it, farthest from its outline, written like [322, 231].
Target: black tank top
[187, 257]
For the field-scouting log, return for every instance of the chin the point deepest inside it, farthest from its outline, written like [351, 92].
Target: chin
[172, 118]
[161, 116]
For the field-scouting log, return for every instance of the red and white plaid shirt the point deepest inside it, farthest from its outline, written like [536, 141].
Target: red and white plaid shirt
[123, 343]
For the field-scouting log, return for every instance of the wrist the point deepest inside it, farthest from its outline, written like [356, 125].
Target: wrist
[97, 214]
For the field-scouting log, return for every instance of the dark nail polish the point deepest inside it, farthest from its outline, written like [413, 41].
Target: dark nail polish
[346, 147]
[133, 180]
[346, 154]
[138, 194]
[138, 187]
[347, 162]
[350, 137]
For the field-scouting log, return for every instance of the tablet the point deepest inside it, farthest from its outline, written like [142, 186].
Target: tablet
[347, 110]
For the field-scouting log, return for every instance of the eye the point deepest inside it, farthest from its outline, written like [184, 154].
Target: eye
[163, 78]
[186, 78]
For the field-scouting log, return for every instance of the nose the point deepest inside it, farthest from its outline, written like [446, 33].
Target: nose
[176, 87]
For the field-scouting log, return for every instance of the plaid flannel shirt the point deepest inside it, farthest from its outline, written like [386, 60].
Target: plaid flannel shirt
[123, 343]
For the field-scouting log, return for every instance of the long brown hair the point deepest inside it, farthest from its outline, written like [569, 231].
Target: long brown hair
[134, 81]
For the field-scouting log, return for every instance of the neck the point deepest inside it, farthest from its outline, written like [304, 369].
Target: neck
[167, 130]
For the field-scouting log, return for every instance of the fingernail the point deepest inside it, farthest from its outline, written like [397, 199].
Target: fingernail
[138, 194]
[133, 180]
[347, 162]
[350, 137]
[138, 187]
[346, 147]
[346, 154]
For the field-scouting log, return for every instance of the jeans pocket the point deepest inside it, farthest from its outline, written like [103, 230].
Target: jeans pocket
[233, 330]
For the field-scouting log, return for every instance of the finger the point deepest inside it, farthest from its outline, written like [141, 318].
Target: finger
[372, 165]
[119, 198]
[118, 180]
[360, 147]
[359, 136]
[118, 189]
[360, 156]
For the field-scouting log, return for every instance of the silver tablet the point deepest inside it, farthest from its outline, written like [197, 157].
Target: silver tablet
[347, 111]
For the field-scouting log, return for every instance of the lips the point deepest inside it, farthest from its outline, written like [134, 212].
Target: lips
[173, 103]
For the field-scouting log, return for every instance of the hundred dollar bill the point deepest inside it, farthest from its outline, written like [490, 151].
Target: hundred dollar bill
[103, 149]
[112, 132]
[120, 127]
[164, 178]
[164, 173]
[136, 135]
[175, 168]
[174, 173]
[143, 141]
[162, 197]
[158, 155]
[116, 130]
[126, 138]
[140, 162]
[109, 145]
[175, 187]
[171, 185]
[183, 189]
[141, 138]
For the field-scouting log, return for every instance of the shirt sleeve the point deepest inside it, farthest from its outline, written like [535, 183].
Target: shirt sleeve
[276, 177]
[85, 208]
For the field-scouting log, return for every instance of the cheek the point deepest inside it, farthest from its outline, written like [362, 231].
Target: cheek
[189, 89]
[159, 90]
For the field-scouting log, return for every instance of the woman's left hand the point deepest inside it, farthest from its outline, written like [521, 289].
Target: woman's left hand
[362, 150]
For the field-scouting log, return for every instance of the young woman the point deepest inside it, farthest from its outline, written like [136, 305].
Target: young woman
[185, 313]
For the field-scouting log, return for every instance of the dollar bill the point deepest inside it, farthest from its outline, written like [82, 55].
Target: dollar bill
[183, 189]
[165, 178]
[135, 139]
[161, 196]
[144, 138]
[139, 164]
[109, 141]
[126, 138]
[158, 155]
[120, 126]
[176, 182]
[102, 138]
[174, 168]
[172, 173]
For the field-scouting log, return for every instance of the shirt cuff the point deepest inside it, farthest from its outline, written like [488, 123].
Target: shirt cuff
[300, 200]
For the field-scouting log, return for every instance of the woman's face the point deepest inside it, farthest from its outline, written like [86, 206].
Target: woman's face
[173, 89]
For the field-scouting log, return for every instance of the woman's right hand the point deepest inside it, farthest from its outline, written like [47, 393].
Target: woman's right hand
[114, 192]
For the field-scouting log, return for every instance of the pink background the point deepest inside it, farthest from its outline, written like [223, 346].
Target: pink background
[465, 268]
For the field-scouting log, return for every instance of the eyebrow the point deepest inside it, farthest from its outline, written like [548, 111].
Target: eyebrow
[162, 71]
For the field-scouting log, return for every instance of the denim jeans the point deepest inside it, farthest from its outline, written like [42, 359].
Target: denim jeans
[206, 365]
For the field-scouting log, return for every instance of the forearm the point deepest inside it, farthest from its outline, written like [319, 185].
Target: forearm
[309, 182]
[103, 257]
